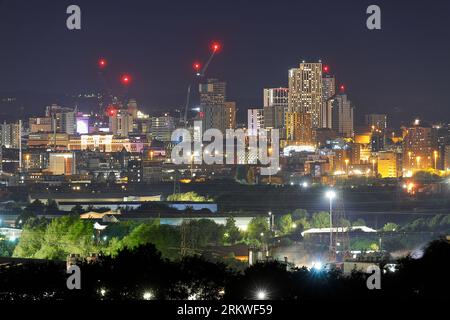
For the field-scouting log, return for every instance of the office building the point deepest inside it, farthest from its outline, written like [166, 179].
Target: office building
[255, 119]
[419, 145]
[230, 115]
[275, 107]
[305, 91]
[212, 105]
[342, 115]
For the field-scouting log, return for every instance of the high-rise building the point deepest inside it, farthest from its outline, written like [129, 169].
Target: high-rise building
[121, 123]
[275, 107]
[328, 86]
[326, 114]
[376, 121]
[230, 115]
[342, 115]
[328, 91]
[447, 157]
[419, 145]
[212, 105]
[132, 108]
[255, 120]
[161, 128]
[10, 135]
[305, 90]
[298, 128]
[64, 120]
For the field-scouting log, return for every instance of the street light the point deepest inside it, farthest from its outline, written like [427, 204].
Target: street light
[147, 295]
[330, 194]
[261, 295]
[346, 165]
[271, 220]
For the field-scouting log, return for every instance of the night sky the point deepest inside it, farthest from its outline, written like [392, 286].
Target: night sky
[402, 70]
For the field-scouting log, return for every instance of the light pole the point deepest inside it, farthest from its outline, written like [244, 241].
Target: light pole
[346, 165]
[330, 194]
[271, 220]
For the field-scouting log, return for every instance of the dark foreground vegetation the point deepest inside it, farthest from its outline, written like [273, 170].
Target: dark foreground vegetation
[142, 273]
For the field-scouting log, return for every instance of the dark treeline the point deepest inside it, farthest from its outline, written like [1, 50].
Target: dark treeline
[142, 273]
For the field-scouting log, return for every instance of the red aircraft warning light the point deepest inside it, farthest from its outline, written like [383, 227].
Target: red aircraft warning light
[197, 66]
[215, 46]
[326, 68]
[111, 111]
[342, 88]
[102, 63]
[126, 79]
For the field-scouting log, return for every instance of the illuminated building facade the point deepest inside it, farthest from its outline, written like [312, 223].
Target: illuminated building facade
[255, 119]
[62, 163]
[106, 143]
[40, 124]
[275, 107]
[299, 128]
[305, 91]
[419, 144]
[387, 164]
[230, 115]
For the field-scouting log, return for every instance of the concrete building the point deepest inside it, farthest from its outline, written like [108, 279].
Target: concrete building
[275, 107]
[255, 121]
[419, 144]
[342, 115]
[230, 115]
[387, 164]
[40, 124]
[121, 123]
[212, 105]
[62, 163]
[161, 128]
[299, 128]
[10, 134]
[305, 90]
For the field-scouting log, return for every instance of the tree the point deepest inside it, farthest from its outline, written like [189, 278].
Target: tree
[32, 210]
[299, 214]
[359, 223]
[390, 227]
[188, 196]
[232, 233]
[320, 220]
[258, 229]
[284, 223]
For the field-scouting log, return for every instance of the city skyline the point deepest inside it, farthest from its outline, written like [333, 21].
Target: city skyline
[161, 67]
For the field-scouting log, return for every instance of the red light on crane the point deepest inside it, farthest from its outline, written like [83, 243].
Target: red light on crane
[102, 63]
[197, 66]
[326, 68]
[126, 79]
[215, 46]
